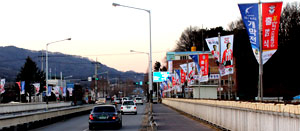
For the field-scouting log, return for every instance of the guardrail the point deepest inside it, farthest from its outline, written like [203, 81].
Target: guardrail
[246, 116]
[21, 107]
[35, 117]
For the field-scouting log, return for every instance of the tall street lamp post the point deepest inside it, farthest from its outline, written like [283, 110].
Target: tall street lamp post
[47, 65]
[150, 51]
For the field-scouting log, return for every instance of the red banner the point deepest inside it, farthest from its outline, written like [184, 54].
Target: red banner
[182, 75]
[203, 62]
[270, 23]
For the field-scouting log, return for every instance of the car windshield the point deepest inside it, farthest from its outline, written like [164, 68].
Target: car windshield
[138, 98]
[104, 109]
[128, 103]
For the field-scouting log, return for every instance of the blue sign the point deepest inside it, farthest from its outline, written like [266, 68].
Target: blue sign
[250, 18]
[70, 85]
[160, 76]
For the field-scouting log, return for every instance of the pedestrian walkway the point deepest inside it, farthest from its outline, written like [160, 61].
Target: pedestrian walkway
[169, 119]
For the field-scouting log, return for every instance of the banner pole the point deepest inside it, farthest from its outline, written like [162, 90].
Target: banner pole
[220, 86]
[260, 81]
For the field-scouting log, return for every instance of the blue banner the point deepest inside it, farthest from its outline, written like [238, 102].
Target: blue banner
[196, 60]
[250, 18]
[70, 85]
[22, 87]
[49, 91]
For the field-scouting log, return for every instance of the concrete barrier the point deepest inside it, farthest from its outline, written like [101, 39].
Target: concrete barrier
[39, 116]
[21, 107]
[241, 116]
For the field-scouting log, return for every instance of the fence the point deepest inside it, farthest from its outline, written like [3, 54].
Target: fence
[241, 116]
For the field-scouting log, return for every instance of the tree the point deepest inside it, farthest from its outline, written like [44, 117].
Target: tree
[30, 74]
[195, 36]
[157, 66]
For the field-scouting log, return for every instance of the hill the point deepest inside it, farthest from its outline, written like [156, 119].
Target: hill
[13, 58]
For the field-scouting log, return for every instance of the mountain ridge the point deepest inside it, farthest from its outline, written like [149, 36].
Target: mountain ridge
[12, 58]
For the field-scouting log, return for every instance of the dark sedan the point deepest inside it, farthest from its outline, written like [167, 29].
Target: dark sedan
[105, 115]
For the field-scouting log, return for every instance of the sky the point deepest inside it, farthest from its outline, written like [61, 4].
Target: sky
[106, 33]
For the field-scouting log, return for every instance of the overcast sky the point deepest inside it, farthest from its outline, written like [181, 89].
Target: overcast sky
[97, 28]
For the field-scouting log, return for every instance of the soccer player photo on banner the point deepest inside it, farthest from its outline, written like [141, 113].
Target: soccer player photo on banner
[213, 45]
[226, 66]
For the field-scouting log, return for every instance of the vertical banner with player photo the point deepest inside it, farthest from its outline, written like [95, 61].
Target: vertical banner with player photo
[270, 22]
[226, 64]
[213, 45]
[203, 62]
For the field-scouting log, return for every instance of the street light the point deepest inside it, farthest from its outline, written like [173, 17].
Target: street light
[47, 65]
[150, 51]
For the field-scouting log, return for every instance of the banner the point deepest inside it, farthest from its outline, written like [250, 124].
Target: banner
[203, 62]
[70, 91]
[250, 18]
[196, 60]
[65, 91]
[19, 84]
[170, 66]
[2, 83]
[37, 87]
[270, 22]
[22, 87]
[49, 91]
[182, 76]
[213, 45]
[226, 55]
[56, 91]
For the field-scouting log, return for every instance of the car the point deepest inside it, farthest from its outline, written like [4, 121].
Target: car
[105, 115]
[124, 99]
[101, 101]
[128, 106]
[118, 101]
[138, 100]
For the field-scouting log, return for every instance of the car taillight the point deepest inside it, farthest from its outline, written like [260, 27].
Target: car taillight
[91, 117]
[113, 118]
[134, 101]
[135, 107]
[121, 107]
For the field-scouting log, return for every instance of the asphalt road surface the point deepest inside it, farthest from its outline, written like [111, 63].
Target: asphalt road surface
[131, 122]
[171, 120]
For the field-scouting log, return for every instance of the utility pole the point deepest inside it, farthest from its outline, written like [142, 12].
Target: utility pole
[96, 82]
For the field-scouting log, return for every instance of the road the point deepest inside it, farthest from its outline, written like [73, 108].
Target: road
[130, 122]
[169, 119]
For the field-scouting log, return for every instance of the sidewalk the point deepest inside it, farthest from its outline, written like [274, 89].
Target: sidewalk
[169, 119]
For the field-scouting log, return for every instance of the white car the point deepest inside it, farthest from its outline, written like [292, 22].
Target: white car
[128, 106]
[138, 100]
[124, 99]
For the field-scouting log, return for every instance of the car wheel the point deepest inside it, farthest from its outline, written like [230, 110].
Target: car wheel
[122, 113]
[142, 103]
[120, 125]
[91, 127]
[135, 113]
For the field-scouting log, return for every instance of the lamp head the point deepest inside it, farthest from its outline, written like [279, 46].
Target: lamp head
[115, 4]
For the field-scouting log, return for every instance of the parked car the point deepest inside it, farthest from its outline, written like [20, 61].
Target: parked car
[128, 106]
[138, 100]
[105, 115]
